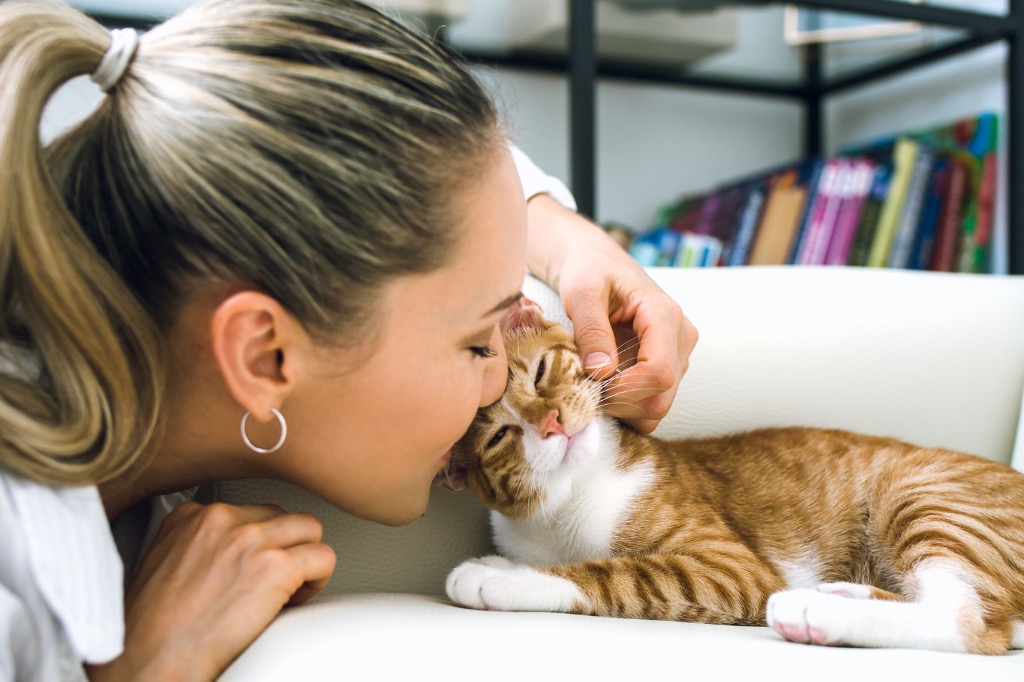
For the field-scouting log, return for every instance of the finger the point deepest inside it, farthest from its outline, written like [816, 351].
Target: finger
[642, 426]
[254, 513]
[656, 372]
[643, 398]
[290, 530]
[216, 516]
[316, 563]
[587, 307]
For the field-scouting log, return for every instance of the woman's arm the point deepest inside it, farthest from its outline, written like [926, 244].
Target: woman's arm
[622, 318]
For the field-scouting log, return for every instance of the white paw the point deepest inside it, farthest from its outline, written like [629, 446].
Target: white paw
[808, 616]
[848, 590]
[495, 584]
[492, 560]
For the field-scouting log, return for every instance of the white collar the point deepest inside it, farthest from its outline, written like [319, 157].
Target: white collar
[74, 562]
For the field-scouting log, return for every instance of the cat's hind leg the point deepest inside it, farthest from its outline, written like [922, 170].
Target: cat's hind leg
[946, 615]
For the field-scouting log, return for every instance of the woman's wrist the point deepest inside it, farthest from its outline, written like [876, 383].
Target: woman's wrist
[554, 233]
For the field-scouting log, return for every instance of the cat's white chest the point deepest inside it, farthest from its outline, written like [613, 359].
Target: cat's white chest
[583, 513]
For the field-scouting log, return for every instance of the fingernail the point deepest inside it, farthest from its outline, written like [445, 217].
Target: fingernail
[596, 360]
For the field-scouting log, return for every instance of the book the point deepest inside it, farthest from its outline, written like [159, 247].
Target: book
[975, 139]
[657, 248]
[924, 240]
[947, 230]
[921, 200]
[724, 230]
[910, 213]
[904, 155]
[810, 175]
[783, 207]
[869, 213]
[822, 218]
[697, 251]
[747, 226]
[862, 172]
[985, 210]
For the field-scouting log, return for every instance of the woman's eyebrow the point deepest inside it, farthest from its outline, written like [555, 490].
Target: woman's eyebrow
[505, 303]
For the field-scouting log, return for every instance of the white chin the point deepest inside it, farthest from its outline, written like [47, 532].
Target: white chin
[582, 446]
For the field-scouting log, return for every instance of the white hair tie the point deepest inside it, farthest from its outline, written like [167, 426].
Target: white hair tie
[123, 44]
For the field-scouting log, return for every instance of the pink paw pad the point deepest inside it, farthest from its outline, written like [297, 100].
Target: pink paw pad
[792, 632]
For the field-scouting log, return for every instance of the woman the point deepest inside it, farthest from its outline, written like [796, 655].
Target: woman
[281, 247]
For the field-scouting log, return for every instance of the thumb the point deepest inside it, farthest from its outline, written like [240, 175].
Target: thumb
[594, 336]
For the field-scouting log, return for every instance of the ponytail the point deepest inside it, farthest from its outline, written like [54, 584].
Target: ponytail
[85, 405]
[314, 153]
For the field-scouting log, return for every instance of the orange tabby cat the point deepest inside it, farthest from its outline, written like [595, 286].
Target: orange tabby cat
[828, 536]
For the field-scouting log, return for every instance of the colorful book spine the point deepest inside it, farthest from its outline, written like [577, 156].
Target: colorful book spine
[904, 155]
[747, 226]
[697, 251]
[921, 200]
[861, 174]
[924, 240]
[814, 245]
[810, 178]
[783, 206]
[950, 218]
[986, 208]
[982, 146]
[869, 214]
[913, 204]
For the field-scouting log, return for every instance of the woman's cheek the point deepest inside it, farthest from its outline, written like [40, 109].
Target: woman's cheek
[494, 379]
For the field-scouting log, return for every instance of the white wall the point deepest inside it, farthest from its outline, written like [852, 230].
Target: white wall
[653, 143]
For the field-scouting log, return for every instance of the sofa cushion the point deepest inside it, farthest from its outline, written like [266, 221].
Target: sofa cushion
[412, 637]
[936, 359]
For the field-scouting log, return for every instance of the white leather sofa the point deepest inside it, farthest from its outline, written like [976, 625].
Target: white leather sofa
[936, 359]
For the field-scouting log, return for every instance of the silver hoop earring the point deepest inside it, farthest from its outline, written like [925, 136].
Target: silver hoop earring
[280, 441]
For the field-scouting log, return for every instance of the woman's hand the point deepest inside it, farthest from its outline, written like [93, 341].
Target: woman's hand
[215, 578]
[624, 322]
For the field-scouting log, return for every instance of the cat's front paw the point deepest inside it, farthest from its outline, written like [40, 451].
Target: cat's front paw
[496, 584]
[808, 616]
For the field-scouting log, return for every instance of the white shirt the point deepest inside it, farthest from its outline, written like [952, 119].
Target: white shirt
[535, 181]
[61, 576]
[60, 581]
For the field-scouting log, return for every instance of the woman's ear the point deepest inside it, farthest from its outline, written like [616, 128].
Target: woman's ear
[258, 348]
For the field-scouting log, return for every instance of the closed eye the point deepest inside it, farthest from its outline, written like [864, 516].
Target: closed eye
[483, 351]
[497, 437]
[540, 373]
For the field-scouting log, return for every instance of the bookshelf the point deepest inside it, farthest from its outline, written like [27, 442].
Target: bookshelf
[965, 30]
[811, 86]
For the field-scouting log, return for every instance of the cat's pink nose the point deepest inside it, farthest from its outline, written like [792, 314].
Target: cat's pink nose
[551, 425]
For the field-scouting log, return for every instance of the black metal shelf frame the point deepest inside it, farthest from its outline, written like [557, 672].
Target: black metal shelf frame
[584, 69]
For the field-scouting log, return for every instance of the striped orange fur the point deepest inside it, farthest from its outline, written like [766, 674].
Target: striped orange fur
[847, 530]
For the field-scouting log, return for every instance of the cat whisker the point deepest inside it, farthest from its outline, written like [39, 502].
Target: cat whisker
[618, 374]
[627, 390]
[629, 344]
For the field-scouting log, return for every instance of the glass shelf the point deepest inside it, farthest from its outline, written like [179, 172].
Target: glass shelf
[757, 57]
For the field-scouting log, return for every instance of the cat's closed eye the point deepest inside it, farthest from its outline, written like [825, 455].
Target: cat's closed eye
[497, 437]
[540, 373]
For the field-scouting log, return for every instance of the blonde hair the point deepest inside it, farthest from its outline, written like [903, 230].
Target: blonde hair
[310, 149]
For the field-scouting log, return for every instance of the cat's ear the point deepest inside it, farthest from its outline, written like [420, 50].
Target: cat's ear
[452, 478]
[524, 314]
